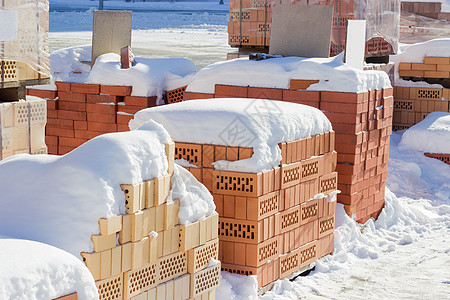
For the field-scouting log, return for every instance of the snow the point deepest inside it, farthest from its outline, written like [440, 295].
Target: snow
[431, 135]
[149, 77]
[415, 53]
[32, 270]
[261, 124]
[58, 200]
[333, 74]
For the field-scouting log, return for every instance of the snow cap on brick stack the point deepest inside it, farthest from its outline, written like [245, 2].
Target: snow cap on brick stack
[333, 74]
[262, 124]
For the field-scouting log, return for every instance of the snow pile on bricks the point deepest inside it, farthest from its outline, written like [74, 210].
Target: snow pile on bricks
[358, 103]
[270, 166]
[143, 226]
[32, 270]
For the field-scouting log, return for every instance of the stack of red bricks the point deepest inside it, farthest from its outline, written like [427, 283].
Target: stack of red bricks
[270, 223]
[363, 124]
[79, 112]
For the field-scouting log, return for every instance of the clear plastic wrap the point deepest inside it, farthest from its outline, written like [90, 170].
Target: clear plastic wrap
[250, 22]
[416, 29]
[24, 52]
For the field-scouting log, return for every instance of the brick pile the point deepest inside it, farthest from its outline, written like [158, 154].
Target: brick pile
[172, 264]
[79, 112]
[363, 124]
[413, 104]
[427, 9]
[440, 156]
[22, 127]
[250, 22]
[270, 224]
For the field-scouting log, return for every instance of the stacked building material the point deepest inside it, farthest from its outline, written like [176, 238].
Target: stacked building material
[156, 257]
[427, 9]
[79, 112]
[250, 22]
[363, 124]
[414, 102]
[22, 127]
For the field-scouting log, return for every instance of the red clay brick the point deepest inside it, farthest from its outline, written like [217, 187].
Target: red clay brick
[140, 101]
[72, 115]
[349, 98]
[230, 91]
[122, 128]
[124, 118]
[193, 96]
[64, 149]
[101, 118]
[102, 127]
[52, 149]
[62, 86]
[60, 123]
[85, 134]
[72, 106]
[52, 113]
[74, 97]
[55, 131]
[115, 90]
[130, 109]
[44, 94]
[51, 140]
[51, 104]
[341, 107]
[85, 88]
[90, 98]
[343, 118]
[265, 93]
[71, 142]
[309, 96]
[72, 296]
[80, 125]
[101, 108]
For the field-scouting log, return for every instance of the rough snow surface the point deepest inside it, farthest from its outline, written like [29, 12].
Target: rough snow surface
[430, 135]
[149, 77]
[261, 124]
[333, 74]
[58, 200]
[32, 270]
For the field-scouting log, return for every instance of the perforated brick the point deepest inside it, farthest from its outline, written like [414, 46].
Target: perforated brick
[404, 104]
[309, 211]
[328, 183]
[205, 280]
[140, 280]
[442, 157]
[199, 257]
[175, 95]
[289, 219]
[172, 266]
[311, 168]
[237, 183]
[132, 197]
[429, 94]
[290, 174]
[289, 263]
[268, 250]
[262, 207]
[20, 114]
[238, 230]
[308, 253]
[326, 226]
[190, 152]
[38, 112]
[111, 288]
[10, 71]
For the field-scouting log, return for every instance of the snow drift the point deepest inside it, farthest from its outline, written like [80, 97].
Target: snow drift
[58, 200]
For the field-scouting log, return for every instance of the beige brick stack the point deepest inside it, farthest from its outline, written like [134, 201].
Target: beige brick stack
[22, 127]
[155, 257]
[270, 223]
[412, 104]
